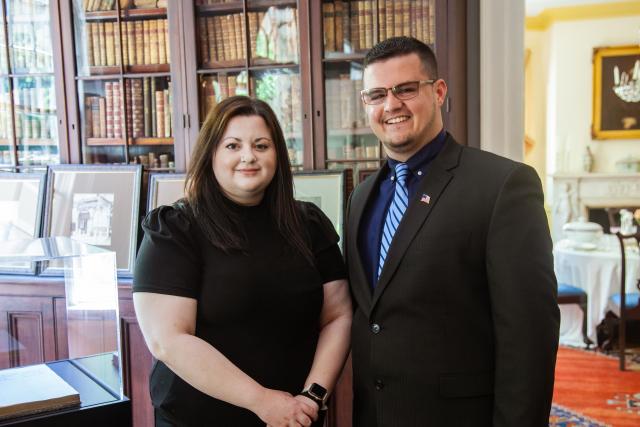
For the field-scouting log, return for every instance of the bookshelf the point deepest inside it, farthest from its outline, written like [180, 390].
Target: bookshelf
[123, 82]
[349, 30]
[250, 48]
[29, 131]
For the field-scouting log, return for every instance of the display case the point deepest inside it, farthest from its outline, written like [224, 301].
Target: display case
[87, 327]
[29, 130]
[123, 82]
[349, 30]
[251, 47]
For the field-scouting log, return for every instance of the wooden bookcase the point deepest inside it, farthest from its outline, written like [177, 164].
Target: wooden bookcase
[30, 133]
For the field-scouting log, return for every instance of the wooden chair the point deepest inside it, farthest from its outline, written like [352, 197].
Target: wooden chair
[568, 294]
[627, 304]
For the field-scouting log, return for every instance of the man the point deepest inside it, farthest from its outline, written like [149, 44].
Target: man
[449, 257]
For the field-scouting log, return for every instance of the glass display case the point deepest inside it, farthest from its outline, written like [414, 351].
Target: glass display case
[252, 48]
[350, 29]
[122, 57]
[28, 125]
[88, 334]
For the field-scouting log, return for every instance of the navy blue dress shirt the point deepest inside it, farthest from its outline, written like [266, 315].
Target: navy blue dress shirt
[376, 210]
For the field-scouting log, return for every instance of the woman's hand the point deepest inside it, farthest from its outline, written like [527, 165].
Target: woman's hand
[280, 409]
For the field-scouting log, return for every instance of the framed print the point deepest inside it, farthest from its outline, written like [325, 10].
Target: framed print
[616, 92]
[165, 189]
[97, 205]
[21, 201]
[364, 174]
[327, 190]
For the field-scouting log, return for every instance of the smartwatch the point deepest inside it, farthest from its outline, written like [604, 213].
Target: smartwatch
[317, 393]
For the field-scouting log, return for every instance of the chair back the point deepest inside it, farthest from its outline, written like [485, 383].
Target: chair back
[626, 313]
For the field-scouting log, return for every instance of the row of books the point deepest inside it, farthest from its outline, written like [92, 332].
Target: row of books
[32, 156]
[344, 107]
[272, 35]
[35, 114]
[100, 5]
[352, 26]
[283, 92]
[143, 42]
[153, 160]
[30, 48]
[148, 110]
[360, 148]
[208, 2]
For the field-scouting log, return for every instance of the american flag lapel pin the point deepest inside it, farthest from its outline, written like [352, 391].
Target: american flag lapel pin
[425, 199]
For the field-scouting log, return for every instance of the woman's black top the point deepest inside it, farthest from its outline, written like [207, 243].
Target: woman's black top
[260, 308]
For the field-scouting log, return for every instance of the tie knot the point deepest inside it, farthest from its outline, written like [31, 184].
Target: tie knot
[402, 170]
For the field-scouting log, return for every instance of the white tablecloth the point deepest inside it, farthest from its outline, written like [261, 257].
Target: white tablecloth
[598, 273]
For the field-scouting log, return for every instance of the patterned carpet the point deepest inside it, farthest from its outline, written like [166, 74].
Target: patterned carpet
[591, 391]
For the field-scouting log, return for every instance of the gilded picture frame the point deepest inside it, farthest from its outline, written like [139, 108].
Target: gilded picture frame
[616, 84]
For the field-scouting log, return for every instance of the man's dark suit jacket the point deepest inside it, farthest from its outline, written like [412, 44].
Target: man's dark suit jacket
[462, 328]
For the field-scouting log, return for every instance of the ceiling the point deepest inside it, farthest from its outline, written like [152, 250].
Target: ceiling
[534, 7]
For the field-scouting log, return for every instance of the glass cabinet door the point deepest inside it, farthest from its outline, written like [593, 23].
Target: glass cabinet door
[252, 48]
[123, 78]
[28, 126]
[350, 29]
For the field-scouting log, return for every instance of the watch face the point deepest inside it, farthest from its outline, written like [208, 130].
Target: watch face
[318, 390]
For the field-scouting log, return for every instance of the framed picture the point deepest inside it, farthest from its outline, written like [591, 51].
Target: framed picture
[97, 205]
[327, 190]
[21, 201]
[616, 92]
[164, 189]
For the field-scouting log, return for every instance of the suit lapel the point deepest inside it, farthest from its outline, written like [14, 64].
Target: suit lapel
[432, 186]
[360, 283]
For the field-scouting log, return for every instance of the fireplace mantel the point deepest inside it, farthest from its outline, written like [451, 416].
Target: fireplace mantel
[574, 194]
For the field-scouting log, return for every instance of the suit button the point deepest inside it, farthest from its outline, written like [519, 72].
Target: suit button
[375, 328]
[379, 385]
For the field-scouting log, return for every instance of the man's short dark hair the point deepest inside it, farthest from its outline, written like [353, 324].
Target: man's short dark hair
[400, 46]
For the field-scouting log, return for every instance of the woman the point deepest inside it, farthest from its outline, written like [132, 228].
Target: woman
[239, 290]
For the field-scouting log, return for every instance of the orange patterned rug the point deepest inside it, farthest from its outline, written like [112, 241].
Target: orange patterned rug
[590, 384]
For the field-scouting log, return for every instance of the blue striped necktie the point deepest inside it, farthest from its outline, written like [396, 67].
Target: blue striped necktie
[394, 214]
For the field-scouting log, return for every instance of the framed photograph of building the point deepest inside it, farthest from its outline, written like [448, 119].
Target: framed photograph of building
[21, 202]
[165, 189]
[327, 190]
[97, 205]
[616, 92]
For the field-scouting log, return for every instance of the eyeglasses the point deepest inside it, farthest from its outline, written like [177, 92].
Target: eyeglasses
[403, 91]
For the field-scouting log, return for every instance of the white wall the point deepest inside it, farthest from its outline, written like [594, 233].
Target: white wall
[567, 48]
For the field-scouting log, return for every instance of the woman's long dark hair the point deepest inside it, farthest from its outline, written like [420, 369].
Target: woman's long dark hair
[210, 206]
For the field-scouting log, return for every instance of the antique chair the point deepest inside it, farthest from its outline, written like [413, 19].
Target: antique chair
[568, 294]
[625, 303]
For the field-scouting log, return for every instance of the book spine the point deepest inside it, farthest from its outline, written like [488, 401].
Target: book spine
[154, 113]
[103, 44]
[102, 109]
[388, 5]
[89, 32]
[167, 112]
[329, 27]
[253, 33]
[88, 117]
[131, 43]
[382, 20]
[95, 117]
[338, 13]
[419, 20]
[117, 110]
[139, 32]
[211, 39]
[147, 42]
[406, 18]
[129, 107]
[368, 23]
[137, 108]
[230, 38]
[432, 21]
[111, 51]
[203, 40]
[220, 39]
[239, 30]
[146, 94]
[153, 46]
[108, 91]
[159, 101]
[223, 86]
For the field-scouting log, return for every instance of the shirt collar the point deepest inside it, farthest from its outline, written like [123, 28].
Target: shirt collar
[418, 162]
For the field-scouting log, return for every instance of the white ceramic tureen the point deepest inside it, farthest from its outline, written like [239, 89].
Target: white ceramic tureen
[582, 231]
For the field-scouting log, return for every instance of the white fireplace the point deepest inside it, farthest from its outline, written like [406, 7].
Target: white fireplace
[575, 194]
